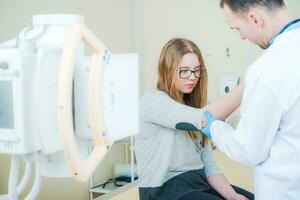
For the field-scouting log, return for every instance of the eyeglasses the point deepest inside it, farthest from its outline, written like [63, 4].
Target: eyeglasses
[186, 73]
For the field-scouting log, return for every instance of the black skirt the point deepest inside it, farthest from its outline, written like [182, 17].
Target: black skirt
[176, 187]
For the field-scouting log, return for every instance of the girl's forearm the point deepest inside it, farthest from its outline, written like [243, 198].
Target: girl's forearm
[219, 183]
[227, 104]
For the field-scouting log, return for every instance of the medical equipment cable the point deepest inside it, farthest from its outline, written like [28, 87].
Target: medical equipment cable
[13, 177]
[23, 183]
[36, 185]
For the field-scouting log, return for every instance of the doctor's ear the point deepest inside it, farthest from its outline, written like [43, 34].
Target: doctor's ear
[255, 18]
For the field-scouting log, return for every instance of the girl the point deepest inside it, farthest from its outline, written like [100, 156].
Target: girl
[174, 164]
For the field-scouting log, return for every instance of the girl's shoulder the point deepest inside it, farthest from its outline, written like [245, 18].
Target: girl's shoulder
[154, 98]
[154, 93]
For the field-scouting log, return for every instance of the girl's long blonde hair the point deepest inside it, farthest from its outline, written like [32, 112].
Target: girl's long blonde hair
[169, 60]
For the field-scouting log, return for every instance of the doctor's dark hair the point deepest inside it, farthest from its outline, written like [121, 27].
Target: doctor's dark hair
[244, 5]
[169, 60]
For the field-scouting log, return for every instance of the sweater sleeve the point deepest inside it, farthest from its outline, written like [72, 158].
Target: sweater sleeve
[159, 108]
[210, 166]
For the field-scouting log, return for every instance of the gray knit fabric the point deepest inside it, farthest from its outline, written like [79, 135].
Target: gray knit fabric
[163, 152]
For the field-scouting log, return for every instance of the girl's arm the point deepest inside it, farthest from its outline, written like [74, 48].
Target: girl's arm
[159, 108]
[219, 183]
[227, 104]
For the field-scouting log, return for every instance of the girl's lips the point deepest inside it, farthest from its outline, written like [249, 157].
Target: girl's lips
[189, 85]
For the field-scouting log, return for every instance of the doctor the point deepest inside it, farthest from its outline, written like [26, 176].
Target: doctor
[268, 133]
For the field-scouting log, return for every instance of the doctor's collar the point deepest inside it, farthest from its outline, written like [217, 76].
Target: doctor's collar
[288, 27]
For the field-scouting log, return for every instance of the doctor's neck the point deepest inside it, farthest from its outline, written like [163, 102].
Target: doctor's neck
[278, 20]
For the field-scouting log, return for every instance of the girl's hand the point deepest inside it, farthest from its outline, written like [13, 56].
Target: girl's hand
[237, 196]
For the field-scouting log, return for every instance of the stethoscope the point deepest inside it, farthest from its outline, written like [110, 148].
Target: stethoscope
[290, 26]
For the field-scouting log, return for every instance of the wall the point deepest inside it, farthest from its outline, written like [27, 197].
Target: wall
[143, 26]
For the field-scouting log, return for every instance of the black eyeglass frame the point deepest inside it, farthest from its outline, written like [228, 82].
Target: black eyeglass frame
[201, 69]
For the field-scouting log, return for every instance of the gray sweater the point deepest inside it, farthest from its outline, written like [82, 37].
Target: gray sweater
[163, 152]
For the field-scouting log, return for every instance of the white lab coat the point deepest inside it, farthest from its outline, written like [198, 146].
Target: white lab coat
[268, 133]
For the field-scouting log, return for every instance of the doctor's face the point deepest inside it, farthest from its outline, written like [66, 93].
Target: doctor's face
[188, 73]
[245, 25]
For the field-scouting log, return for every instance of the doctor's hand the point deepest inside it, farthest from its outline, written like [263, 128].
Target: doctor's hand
[209, 119]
